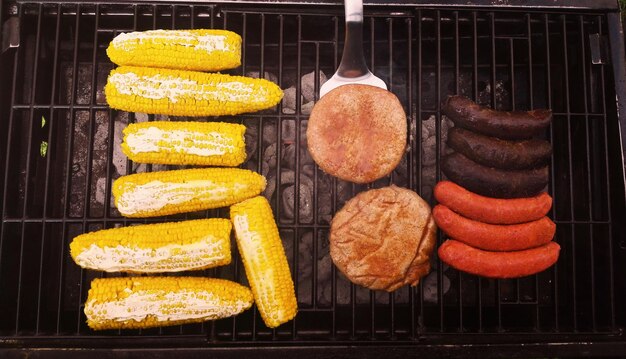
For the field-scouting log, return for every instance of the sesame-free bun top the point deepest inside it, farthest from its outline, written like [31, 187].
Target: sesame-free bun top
[357, 133]
[382, 239]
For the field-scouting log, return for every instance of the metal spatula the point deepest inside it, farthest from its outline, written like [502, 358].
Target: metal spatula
[352, 69]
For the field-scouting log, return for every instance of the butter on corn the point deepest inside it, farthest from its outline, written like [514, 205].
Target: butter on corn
[169, 192]
[187, 93]
[200, 50]
[144, 302]
[185, 143]
[264, 260]
[162, 247]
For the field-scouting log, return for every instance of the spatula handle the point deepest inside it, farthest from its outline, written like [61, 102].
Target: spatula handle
[352, 61]
[354, 10]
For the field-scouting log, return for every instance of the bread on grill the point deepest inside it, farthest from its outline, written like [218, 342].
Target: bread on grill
[382, 239]
[357, 133]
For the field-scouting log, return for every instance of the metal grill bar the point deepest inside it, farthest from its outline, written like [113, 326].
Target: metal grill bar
[551, 185]
[457, 81]
[49, 140]
[7, 160]
[475, 98]
[589, 189]
[569, 148]
[28, 169]
[531, 103]
[608, 190]
[440, 298]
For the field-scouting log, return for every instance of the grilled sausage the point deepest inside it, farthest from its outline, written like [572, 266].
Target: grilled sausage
[515, 125]
[492, 210]
[493, 182]
[494, 237]
[494, 152]
[498, 264]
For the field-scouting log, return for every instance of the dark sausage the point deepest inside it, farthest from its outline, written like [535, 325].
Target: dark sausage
[498, 264]
[494, 152]
[493, 182]
[492, 210]
[494, 237]
[516, 125]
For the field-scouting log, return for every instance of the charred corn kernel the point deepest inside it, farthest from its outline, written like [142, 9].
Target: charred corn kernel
[162, 247]
[185, 143]
[264, 259]
[168, 192]
[187, 93]
[200, 50]
[144, 302]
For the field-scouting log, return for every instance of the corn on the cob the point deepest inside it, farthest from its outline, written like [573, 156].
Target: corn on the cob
[264, 259]
[162, 247]
[185, 143]
[168, 192]
[200, 50]
[144, 302]
[187, 93]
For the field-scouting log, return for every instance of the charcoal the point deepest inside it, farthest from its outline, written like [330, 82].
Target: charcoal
[446, 124]
[308, 169]
[269, 133]
[100, 190]
[429, 287]
[305, 204]
[269, 160]
[305, 268]
[324, 280]
[251, 138]
[143, 167]
[288, 131]
[307, 108]
[307, 85]
[428, 127]
[428, 151]
[289, 156]
[324, 198]
[289, 100]
[266, 75]
[119, 158]
[141, 117]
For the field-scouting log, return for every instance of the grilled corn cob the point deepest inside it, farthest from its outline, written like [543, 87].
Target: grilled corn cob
[144, 302]
[162, 247]
[168, 192]
[200, 50]
[187, 93]
[185, 143]
[264, 259]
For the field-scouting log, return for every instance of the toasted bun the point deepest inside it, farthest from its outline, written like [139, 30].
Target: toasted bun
[357, 133]
[382, 238]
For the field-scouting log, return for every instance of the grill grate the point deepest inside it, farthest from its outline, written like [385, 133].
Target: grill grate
[507, 59]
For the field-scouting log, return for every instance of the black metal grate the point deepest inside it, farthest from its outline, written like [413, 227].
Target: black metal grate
[507, 59]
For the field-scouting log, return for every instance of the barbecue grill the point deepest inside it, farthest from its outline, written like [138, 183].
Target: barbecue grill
[59, 153]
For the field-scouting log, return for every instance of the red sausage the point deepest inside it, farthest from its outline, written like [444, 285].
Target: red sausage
[498, 264]
[492, 210]
[494, 237]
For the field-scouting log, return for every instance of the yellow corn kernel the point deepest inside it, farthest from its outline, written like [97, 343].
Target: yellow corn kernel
[161, 247]
[187, 93]
[185, 143]
[264, 259]
[144, 302]
[168, 192]
[199, 50]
